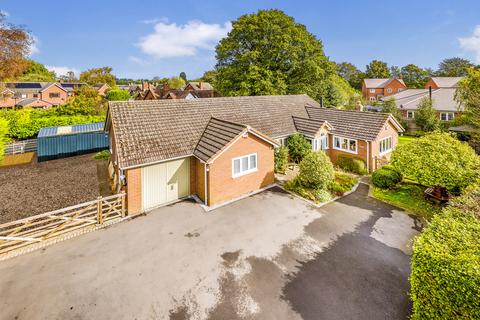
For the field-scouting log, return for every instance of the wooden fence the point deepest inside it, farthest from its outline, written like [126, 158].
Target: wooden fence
[49, 226]
[22, 146]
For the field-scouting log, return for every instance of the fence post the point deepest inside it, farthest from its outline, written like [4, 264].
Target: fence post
[123, 204]
[99, 210]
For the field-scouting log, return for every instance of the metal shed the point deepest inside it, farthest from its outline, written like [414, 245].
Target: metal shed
[67, 141]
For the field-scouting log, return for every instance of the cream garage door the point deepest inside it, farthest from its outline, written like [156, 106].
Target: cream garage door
[165, 182]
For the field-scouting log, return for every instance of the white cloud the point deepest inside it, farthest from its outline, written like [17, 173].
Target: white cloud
[5, 13]
[62, 71]
[472, 43]
[154, 20]
[172, 40]
[34, 46]
[137, 60]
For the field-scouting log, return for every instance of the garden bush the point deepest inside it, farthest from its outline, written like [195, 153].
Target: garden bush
[296, 186]
[438, 159]
[342, 183]
[445, 278]
[281, 159]
[298, 147]
[353, 165]
[316, 170]
[3, 136]
[386, 177]
[117, 94]
[322, 195]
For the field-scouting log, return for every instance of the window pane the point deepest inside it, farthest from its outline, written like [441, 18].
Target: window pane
[353, 145]
[336, 141]
[253, 161]
[345, 144]
[244, 163]
[236, 166]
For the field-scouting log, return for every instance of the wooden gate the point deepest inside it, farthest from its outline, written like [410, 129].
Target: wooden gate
[52, 225]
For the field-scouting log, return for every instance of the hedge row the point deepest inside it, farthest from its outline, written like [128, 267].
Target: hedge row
[445, 278]
[3, 136]
[354, 165]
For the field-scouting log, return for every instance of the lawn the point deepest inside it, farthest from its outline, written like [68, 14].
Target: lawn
[408, 196]
[405, 139]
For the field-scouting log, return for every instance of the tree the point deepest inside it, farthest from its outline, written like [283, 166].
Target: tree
[3, 136]
[209, 76]
[176, 82]
[269, 53]
[351, 74]
[390, 106]
[395, 72]
[377, 69]
[281, 159]
[468, 95]
[454, 67]
[15, 44]
[426, 116]
[183, 75]
[98, 76]
[316, 171]
[438, 159]
[338, 92]
[117, 94]
[298, 147]
[414, 76]
[37, 72]
[86, 101]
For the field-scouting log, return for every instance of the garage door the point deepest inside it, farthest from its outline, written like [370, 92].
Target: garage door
[165, 182]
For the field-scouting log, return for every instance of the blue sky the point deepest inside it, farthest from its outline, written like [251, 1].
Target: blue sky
[142, 39]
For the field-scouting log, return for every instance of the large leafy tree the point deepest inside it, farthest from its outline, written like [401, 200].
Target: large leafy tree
[176, 82]
[86, 101]
[426, 116]
[414, 76]
[117, 94]
[98, 76]
[390, 106]
[377, 69]
[269, 53]
[36, 71]
[438, 159]
[468, 95]
[209, 76]
[338, 92]
[183, 75]
[454, 67]
[351, 74]
[15, 44]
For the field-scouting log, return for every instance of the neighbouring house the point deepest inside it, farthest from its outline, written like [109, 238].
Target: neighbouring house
[193, 90]
[443, 101]
[102, 88]
[222, 148]
[376, 89]
[443, 82]
[36, 94]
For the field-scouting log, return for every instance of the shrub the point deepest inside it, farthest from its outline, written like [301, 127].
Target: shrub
[445, 278]
[102, 155]
[298, 147]
[3, 136]
[386, 177]
[117, 95]
[316, 170]
[438, 159]
[296, 186]
[281, 159]
[342, 183]
[350, 164]
[322, 195]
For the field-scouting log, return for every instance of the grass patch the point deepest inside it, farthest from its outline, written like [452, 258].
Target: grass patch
[406, 139]
[410, 197]
[102, 155]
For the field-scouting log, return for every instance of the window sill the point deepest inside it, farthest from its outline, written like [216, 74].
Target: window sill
[244, 173]
[346, 151]
[385, 152]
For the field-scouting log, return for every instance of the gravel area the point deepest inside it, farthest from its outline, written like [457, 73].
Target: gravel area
[41, 187]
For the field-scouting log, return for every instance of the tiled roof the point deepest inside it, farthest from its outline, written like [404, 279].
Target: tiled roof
[352, 124]
[446, 82]
[217, 135]
[380, 82]
[26, 102]
[307, 127]
[443, 99]
[157, 130]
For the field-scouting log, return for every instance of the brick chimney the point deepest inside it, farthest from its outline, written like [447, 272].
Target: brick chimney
[144, 85]
[200, 85]
[165, 89]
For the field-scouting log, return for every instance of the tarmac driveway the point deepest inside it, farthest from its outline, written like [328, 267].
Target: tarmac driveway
[269, 256]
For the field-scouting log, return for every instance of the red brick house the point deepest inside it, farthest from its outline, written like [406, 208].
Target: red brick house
[219, 149]
[376, 89]
[443, 82]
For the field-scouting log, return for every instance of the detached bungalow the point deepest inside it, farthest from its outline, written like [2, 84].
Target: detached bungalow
[222, 148]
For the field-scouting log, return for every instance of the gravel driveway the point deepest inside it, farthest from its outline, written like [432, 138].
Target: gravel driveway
[269, 256]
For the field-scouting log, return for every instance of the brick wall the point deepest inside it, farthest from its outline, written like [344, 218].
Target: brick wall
[334, 153]
[200, 179]
[223, 187]
[134, 191]
[388, 131]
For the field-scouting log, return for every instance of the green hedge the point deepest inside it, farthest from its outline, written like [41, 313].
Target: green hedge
[281, 159]
[350, 164]
[3, 136]
[445, 279]
[386, 177]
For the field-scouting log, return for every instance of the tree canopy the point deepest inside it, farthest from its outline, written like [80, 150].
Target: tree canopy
[468, 94]
[98, 76]
[117, 94]
[414, 76]
[426, 116]
[36, 71]
[268, 52]
[454, 67]
[183, 75]
[377, 69]
[15, 44]
[351, 74]
[176, 82]
[438, 159]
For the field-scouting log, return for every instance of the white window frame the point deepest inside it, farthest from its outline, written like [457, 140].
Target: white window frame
[348, 145]
[389, 90]
[388, 150]
[412, 113]
[23, 96]
[282, 141]
[448, 118]
[372, 90]
[249, 170]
